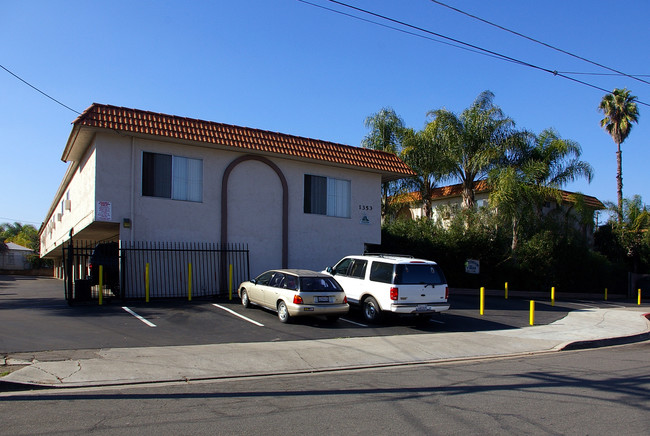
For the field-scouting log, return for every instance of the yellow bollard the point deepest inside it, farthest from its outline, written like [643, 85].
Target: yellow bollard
[230, 283]
[506, 290]
[482, 305]
[552, 295]
[605, 294]
[639, 297]
[532, 312]
[146, 282]
[189, 282]
[101, 284]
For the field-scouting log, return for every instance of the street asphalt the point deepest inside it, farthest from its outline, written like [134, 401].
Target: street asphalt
[582, 328]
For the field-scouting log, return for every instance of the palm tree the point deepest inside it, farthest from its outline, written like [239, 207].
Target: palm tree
[472, 142]
[539, 166]
[420, 153]
[386, 130]
[386, 134]
[620, 111]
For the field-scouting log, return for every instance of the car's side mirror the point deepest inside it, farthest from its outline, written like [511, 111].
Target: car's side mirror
[253, 281]
[330, 270]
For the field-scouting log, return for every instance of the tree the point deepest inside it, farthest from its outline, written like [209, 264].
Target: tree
[386, 134]
[560, 159]
[25, 235]
[421, 154]
[471, 143]
[620, 112]
[538, 166]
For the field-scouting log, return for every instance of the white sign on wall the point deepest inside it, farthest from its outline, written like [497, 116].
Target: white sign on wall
[472, 266]
[103, 212]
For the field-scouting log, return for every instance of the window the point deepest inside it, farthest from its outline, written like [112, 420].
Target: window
[341, 268]
[277, 281]
[358, 269]
[327, 196]
[318, 284]
[175, 177]
[265, 278]
[381, 272]
[419, 273]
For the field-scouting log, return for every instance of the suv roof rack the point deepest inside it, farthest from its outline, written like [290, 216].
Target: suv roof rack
[407, 256]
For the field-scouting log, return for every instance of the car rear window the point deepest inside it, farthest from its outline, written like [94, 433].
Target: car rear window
[417, 273]
[310, 284]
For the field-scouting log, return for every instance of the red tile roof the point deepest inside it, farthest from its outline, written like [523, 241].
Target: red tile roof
[254, 140]
[481, 186]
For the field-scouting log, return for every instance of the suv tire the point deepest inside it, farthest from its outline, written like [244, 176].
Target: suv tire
[371, 310]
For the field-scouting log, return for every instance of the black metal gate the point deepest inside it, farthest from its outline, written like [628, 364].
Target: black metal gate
[146, 270]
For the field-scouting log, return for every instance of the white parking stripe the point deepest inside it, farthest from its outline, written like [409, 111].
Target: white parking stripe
[150, 324]
[236, 314]
[352, 322]
[437, 321]
[598, 305]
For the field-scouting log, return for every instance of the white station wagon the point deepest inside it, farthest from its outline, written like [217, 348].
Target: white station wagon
[295, 292]
[391, 283]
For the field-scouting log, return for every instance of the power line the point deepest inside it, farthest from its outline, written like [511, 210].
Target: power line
[539, 42]
[459, 42]
[601, 74]
[400, 30]
[35, 88]
[14, 220]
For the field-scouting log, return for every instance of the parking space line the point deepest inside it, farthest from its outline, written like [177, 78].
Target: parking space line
[596, 304]
[437, 321]
[150, 324]
[240, 316]
[352, 322]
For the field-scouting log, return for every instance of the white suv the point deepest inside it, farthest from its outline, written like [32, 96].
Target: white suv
[391, 283]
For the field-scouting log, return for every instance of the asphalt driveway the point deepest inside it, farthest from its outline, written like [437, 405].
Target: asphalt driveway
[35, 317]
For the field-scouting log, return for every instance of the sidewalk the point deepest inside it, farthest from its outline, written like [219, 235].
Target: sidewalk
[118, 366]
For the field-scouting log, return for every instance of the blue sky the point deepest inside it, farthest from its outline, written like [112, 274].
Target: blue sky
[287, 66]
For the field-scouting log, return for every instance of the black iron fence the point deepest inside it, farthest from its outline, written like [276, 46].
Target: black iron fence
[147, 270]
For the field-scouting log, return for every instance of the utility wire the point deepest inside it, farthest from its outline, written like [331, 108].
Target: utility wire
[35, 88]
[465, 44]
[14, 220]
[601, 74]
[419, 35]
[538, 42]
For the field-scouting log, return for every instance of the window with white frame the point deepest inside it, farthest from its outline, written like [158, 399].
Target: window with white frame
[175, 177]
[327, 196]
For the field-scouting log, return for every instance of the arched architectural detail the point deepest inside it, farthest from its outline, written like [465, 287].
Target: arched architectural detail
[285, 202]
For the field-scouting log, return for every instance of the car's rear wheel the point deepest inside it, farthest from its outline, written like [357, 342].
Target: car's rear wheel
[371, 310]
[283, 312]
[244, 299]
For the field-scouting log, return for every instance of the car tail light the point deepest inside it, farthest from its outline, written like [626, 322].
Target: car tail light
[394, 293]
[447, 293]
[297, 299]
[345, 299]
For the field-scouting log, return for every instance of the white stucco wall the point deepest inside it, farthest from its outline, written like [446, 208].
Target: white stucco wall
[318, 241]
[112, 173]
[74, 209]
[255, 213]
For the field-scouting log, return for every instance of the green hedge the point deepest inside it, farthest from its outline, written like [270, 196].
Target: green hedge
[543, 259]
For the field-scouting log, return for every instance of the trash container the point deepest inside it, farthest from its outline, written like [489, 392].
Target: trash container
[82, 290]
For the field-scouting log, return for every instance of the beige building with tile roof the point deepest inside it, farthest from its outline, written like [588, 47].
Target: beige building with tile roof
[135, 175]
[451, 196]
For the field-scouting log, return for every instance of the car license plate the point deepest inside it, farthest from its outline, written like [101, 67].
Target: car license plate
[322, 299]
[421, 308]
